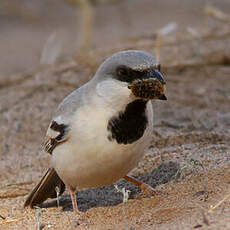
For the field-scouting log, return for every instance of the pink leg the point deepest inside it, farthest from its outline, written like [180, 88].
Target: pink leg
[74, 201]
[77, 219]
[143, 186]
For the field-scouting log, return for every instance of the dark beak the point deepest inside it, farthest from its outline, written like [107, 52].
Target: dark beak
[153, 73]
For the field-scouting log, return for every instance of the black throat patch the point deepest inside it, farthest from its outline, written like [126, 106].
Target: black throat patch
[129, 125]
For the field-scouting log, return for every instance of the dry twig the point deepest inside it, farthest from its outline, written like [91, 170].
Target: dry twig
[217, 14]
[211, 59]
[10, 221]
[17, 184]
[212, 208]
[13, 194]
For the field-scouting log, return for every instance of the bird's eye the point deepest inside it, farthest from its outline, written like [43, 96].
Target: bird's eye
[122, 71]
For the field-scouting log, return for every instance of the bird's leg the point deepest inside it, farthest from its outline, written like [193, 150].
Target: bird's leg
[78, 218]
[74, 201]
[143, 186]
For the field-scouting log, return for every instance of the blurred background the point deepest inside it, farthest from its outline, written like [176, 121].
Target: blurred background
[48, 48]
[81, 25]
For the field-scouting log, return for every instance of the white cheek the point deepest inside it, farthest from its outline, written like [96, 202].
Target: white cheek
[112, 90]
[51, 133]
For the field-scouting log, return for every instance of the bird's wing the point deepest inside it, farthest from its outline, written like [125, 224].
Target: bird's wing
[57, 133]
[59, 129]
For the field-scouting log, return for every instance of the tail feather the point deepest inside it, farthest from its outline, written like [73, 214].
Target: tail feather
[45, 188]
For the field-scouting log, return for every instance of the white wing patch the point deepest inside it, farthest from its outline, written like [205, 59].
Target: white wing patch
[56, 134]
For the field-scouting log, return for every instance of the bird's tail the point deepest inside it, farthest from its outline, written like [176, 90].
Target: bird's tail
[45, 189]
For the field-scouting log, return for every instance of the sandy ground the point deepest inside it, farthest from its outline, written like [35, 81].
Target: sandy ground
[188, 160]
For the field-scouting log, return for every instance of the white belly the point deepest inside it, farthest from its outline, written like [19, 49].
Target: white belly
[88, 159]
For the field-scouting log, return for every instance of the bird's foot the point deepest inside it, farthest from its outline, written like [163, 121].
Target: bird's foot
[78, 221]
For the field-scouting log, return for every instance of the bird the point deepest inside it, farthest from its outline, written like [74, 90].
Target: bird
[101, 130]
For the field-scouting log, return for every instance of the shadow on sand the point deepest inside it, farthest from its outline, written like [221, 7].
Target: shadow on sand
[108, 195]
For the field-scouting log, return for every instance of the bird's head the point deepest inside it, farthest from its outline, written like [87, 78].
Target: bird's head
[131, 74]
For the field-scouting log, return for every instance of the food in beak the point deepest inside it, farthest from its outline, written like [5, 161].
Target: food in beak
[148, 88]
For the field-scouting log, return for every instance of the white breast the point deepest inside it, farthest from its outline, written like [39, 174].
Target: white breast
[88, 159]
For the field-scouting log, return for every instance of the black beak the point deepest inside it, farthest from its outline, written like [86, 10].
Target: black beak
[153, 73]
